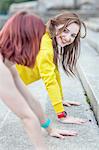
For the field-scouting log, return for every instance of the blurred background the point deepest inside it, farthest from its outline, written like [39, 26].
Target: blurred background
[46, 8]
[88, 11]
[85, 88]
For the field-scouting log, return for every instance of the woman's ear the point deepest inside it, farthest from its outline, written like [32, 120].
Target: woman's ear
[56, 30]
[84, 30]
[52, 22]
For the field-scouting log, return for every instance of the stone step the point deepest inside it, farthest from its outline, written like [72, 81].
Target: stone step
[93, 39]
[3, 19]
[49, 9]
[13, 136]
[45, 14]
[88, 70]
[84, 14]
[25, 6]
[93, 23]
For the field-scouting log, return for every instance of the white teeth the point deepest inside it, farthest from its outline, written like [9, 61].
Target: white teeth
[63, 41]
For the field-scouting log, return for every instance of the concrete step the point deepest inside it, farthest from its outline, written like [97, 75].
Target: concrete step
[48, 9]
[88, 69]
[93, 23]
[3, 19]
[93, 39]
[13, 136]
[84, 14]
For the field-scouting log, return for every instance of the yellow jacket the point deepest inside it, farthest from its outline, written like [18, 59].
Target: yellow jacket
[46, 69]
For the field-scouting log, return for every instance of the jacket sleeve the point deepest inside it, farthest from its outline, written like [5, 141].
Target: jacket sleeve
[25, 74]
[46, 68]
[59, 82]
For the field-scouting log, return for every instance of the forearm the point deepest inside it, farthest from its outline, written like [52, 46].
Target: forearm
[58, 77]
[33, 103]
[8, 91]
[55, 96]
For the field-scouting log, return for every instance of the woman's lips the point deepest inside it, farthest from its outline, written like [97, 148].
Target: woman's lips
[64, 41]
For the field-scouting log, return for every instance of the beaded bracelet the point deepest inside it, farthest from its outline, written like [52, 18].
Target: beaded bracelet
[62, 115]
[46, 124]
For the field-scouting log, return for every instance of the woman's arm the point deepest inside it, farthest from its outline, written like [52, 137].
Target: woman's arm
[47, 69]
[8, 90]
[16, 102]
[36, 107]
[59, 82]
[33, 103]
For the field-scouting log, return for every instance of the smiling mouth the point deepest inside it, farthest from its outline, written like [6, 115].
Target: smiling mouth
[64, 41]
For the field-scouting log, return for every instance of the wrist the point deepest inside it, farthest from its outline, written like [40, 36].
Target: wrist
[62, 115]
[49, 129]
[46, 124]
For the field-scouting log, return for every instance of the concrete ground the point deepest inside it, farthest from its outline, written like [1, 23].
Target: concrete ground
[13, 136]
[88, 67]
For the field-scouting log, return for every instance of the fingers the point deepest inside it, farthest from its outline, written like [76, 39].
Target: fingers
[67, 133]
[70, 103]
[82, 121]
[72, 120]
[74, 103]
[66, 104]
[60, 136]
[57, 135]
[62, 133]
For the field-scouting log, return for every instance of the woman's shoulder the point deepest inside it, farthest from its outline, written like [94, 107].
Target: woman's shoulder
[46, 37]
[46, 48]
[46, 42]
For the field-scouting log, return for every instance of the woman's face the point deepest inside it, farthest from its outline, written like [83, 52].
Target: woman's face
[68, 35]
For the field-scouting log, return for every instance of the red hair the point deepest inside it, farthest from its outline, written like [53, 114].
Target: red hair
[20, 38]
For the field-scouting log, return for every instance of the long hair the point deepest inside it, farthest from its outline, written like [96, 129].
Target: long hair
[20, 38]
[71, 52]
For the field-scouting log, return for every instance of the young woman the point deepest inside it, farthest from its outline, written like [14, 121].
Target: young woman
[62, 37]
[17, 39]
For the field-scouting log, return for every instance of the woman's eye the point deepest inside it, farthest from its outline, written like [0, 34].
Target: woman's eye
[73, 35]
[66, 31]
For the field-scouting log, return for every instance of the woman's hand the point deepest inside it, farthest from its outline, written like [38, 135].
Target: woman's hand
[71, 120]
[70, 103]
[58, 133]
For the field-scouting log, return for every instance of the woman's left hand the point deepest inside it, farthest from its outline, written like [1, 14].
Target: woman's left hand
[58, 133]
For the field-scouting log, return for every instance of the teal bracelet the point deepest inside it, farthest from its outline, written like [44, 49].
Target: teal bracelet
[46, 124]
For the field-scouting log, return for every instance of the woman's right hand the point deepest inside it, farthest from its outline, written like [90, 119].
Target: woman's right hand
[59, 133]
[71, 120]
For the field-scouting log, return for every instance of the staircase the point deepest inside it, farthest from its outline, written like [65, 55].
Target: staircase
[88, 67]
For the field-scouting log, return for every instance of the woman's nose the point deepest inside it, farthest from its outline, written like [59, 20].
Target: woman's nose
[68, 38]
